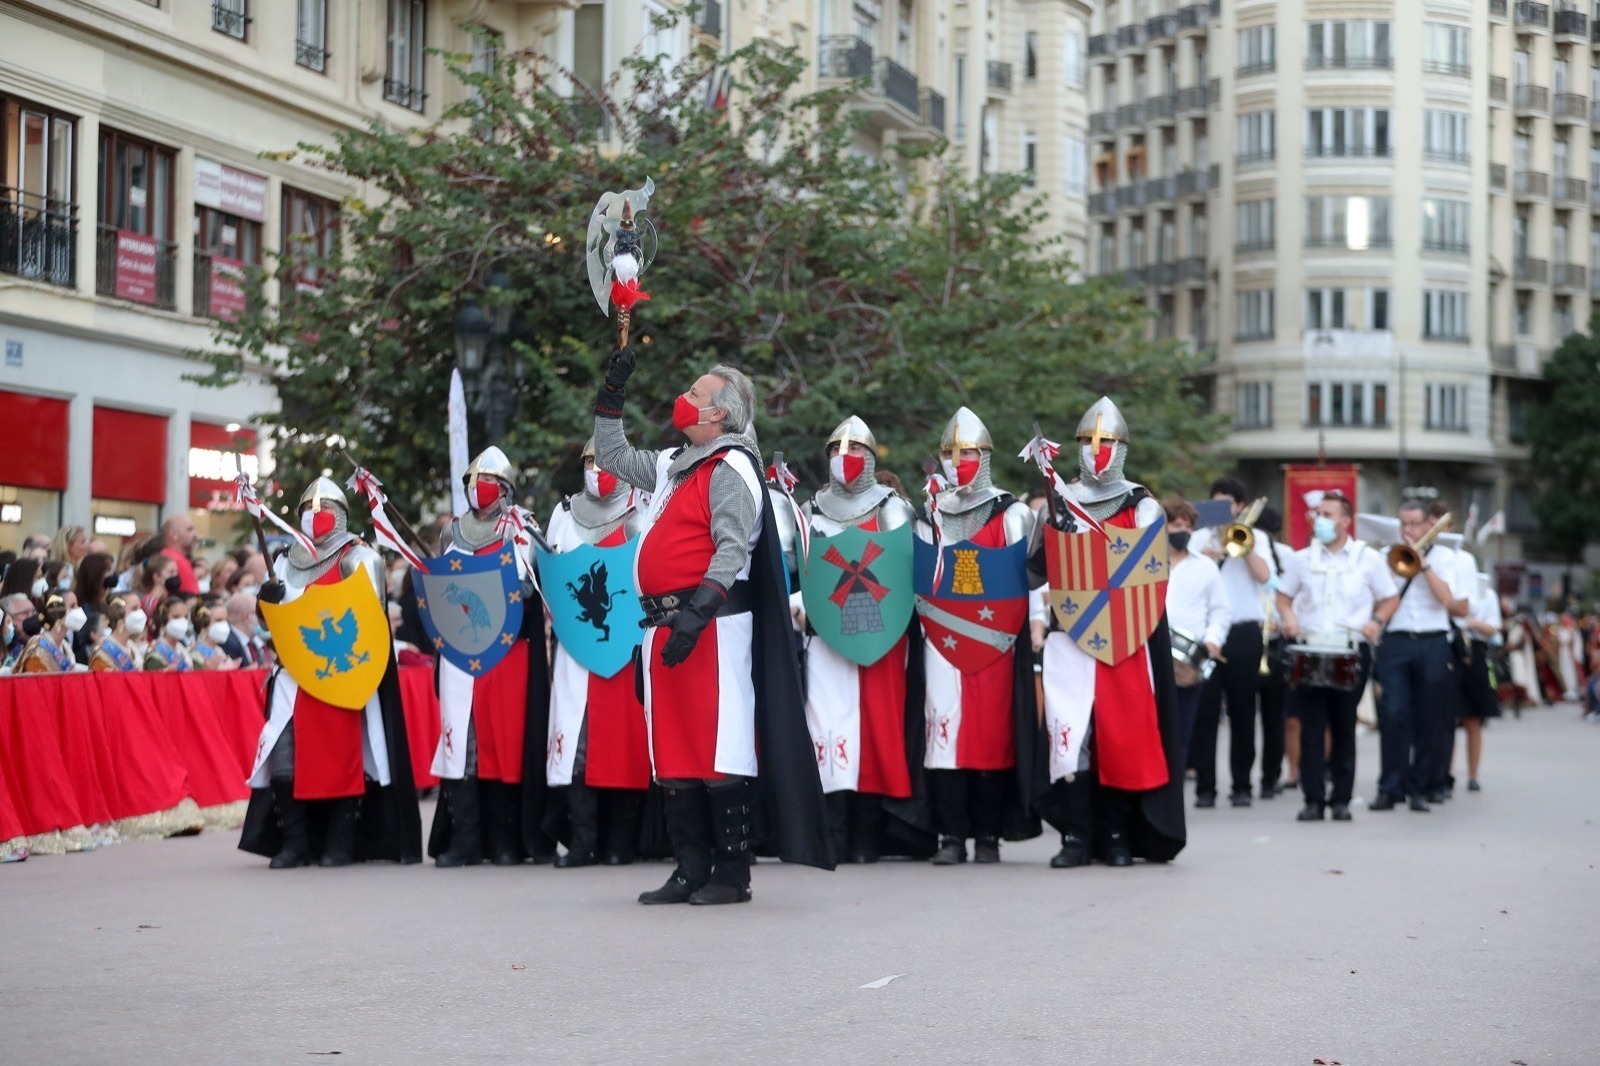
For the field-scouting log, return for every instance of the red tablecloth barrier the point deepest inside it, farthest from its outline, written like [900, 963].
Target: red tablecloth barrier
[76, 749]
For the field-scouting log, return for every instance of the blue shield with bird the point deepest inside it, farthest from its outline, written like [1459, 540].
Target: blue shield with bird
[333, 639]
[593, 604]
[471, 607]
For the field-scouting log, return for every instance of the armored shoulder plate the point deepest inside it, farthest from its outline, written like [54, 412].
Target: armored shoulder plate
[1018, 519]
[359, 557]
[896, 511]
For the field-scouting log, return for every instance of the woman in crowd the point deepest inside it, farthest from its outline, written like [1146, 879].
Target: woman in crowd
[210, 629]
[91, 585]
[70, 546]
[158, 579]
[173, 633]
[222, 573]
[21, 578]
[1478, 686]
[128, 564]
[58, 576]
[114, 647]
[50, 652]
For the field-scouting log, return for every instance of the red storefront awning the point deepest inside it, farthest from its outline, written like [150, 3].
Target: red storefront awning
[36, 444]
[130, 456]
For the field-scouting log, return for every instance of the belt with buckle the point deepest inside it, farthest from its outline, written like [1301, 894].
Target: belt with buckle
[660, 610]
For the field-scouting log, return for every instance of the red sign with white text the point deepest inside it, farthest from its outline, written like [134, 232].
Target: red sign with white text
[227, 288]
[1303, 489]
[136, 266]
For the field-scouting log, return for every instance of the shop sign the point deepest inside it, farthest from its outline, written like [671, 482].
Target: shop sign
[136, 267]
[236, 192]
[106, 525]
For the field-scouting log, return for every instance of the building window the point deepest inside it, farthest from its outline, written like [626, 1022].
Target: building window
[1446, 49]
[1562, 322]
[1077, 164]
[1444, 315]
[1030, 55]
[403, 82]
[1252, 405]
[1254, 225]
[1517, 417]
[1325, 309]
[1446, 225]
[1359, 404]
[222, 244]
[1446, 407]
[1355, 44]
[1030, 158]
[136, 255]
[1074, 60]
[38, 204]
[1522, 321]
[1445, 136]
[230, 17]
[1253, 309]
[1255, 137]
[960, 86]
[486, 48]
[1347, 132]
[310, 236]
[311, 34]
[1352, 223]
[1378, 309]
[1257, 50]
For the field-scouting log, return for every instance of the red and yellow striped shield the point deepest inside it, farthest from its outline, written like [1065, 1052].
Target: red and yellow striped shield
[1108, 589]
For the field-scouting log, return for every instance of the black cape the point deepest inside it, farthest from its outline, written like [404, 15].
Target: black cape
[390, 826]
[531, 798]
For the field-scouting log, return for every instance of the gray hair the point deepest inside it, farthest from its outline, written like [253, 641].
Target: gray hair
[1413, 504]
[10, 601]
[737, 397]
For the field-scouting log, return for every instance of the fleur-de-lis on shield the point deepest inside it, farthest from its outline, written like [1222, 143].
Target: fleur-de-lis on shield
[1120, 547]
[1098, 642]
[1069, 607]
[1153, 566]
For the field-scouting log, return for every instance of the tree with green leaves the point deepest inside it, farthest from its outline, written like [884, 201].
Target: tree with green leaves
[890, 289]
[1566, 446]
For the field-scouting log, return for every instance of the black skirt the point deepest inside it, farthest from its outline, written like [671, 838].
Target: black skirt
[1478, 691]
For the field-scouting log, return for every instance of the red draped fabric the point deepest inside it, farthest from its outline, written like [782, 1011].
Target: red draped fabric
[420, 701]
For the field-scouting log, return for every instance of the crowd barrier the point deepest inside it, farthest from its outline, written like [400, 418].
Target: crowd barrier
[151, 754]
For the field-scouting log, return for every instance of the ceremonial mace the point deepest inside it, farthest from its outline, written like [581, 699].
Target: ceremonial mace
[615, 253]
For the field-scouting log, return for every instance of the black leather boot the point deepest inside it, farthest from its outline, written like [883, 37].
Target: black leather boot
[1074, 852]
[952, 852]
[1116, 805]
[838, 805]
[622, 807]
[501, 805]
[296, 850]
[730, 827]
[688, 815]
[466, 833]
[865, 814]
[339, 845]
[583, 808]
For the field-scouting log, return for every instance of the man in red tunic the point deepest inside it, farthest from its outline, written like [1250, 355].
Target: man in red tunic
[717, 666]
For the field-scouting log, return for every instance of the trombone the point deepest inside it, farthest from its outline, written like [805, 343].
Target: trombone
[1406, 559]
[1239, 537]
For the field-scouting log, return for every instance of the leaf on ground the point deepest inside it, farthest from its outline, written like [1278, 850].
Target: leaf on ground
[1333, 871]
[519, 966]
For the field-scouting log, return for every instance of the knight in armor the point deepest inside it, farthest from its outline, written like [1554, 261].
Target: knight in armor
[1116, 740]
[857, 714]
[330, 785]
[597, 752]
[719, 678]
[492, 726]
[975, 721]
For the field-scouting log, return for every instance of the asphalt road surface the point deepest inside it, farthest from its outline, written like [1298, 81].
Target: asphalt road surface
[1466, 935]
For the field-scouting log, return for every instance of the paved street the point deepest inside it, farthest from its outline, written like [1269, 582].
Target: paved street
[1467, 935]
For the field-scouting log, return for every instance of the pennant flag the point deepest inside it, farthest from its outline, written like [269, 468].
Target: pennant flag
[1496, 524]
[252, 503]
[370, 488]
[457, 429]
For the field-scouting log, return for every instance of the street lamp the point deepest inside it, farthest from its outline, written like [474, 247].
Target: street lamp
[484, 355]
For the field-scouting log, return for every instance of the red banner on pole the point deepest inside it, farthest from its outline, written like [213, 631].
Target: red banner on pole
[1303, 489]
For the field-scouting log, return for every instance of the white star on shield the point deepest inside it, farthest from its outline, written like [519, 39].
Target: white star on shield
[950, 643]
[986, 613]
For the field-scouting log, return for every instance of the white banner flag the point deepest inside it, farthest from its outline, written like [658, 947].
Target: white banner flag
[458, 443]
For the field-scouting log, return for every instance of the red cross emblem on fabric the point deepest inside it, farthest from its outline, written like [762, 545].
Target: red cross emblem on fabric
[1066, 737]
[855, 574]
[449, 744]
[841, 754]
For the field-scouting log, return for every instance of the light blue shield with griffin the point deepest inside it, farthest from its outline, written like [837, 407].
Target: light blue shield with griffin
[471, 607]
[593, 604]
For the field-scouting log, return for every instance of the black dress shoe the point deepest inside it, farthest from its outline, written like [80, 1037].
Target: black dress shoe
[1269, 791]
[1436, 796]
[617, 858]
[1239, 799]
[712, 895]
[1341, 812]
[986, 850]
[676, 890]
[569, 860]
[1384, 802]
[1205, 799]
[1118, 853]
[1417, 803]
[1074, 852]
[1311, 812]
[1473, 786]
[863, 858]
[952, 852]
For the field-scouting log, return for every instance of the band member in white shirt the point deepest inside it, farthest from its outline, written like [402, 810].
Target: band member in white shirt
[1196, 605]
[1331, 595]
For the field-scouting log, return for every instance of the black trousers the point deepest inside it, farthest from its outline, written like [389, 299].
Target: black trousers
[968, 803]
[1321, 710]
[1413, 672]
[1239, 680]
[1272, 700]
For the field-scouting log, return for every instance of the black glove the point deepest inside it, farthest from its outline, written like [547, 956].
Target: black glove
[691, 620]
[272, 591]
[619, 368]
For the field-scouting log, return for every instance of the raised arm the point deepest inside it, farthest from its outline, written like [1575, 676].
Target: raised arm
[612, 452]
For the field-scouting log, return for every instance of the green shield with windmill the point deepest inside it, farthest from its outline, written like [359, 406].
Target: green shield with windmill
[856, 587]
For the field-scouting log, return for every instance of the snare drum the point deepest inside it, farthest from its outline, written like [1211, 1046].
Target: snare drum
[1335, 666]
[1191, 663]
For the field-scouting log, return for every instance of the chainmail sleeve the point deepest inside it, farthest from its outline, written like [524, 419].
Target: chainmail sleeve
[613, 454]
[735, 524]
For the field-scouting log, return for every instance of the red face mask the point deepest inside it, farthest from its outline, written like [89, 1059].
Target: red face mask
[848, 467]
[684, 413]
[485, 493]
[966, 470]
[605, 483]
[1101, 458]
[321, 524]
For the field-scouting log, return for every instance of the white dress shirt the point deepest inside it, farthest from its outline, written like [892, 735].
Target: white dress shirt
[1420, 611]
[1196, 602]
[1484, 606]
[1244, 592]
[1334, 592]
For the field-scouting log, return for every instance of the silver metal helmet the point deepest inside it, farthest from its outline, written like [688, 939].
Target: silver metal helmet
[852, 429]
[491, 462]
[965, 430]
[588, 450]
[1102, 421]
[324, 492]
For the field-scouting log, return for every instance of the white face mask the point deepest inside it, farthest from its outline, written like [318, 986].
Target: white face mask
[218, 632]
[949, 470]
[307, 520]
[136, 621]
[40, 587]
[591, 482]
[836, 468]
[205, 585]
[178, 629]
[250, 589]
[76, 619]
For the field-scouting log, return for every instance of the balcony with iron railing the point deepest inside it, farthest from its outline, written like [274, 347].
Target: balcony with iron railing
[886, 92]
[1254, 157]
[1447, 156]
[1497, 176]
[1346, 61]
[1197, 182]
[1255, 246]
[229, 19]
[1569, 276]
[1529, 271]
[1103, 202]
[1130, 116]
[1101, 47]
[1163, 275]
[1103, 123]
[1160, 109]
[1571, 107]
[1497, 89]
[1436, 245]
[1347, 151]
[1503, 356]
[1349, 242]
[933, 110]
[1527, 13]
[1131, 197]
[1198, 16]
[1594, 112]
[38, 238]
[311, 55]
[1192, 98]
[1445, 66]
[1497, 9]
[1530, 184]
[405, 94]
[1159, 28]
[998, 76]
[899, 86]
[1573, 192]
[1572, 24]
[119, 273]
[1594, 280]
[1530, 99]
[1161, 190]
[1130, 37]
[1192, 269]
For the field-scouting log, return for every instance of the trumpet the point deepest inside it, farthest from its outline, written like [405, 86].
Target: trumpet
[1239, 538]
[1406, 559]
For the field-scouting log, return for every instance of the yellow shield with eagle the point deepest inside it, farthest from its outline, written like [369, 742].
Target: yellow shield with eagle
[333, 640]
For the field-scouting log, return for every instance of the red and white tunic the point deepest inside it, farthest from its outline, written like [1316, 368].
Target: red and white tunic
[335, 749]
[700, 713]
[493, 705]
[617, 746]
[969, 716]
[857, 713]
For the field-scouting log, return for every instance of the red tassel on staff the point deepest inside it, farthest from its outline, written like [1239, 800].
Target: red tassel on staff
[624, 294]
